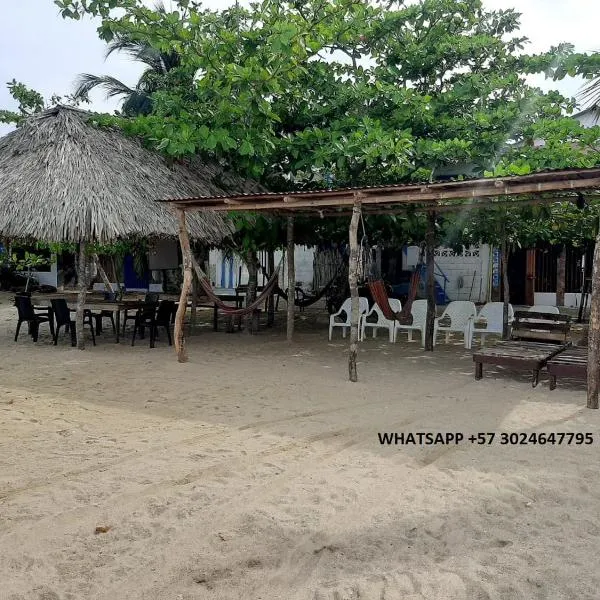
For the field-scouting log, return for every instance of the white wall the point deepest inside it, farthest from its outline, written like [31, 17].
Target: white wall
[467, 272]
[47, 277]
[303, 261]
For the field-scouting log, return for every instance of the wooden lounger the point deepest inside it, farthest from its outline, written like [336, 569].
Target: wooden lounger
[570, 363]
[536, 338]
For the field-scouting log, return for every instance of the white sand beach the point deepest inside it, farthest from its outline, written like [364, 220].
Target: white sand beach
[255, 471]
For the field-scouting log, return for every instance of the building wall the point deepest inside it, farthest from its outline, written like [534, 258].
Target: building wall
[48, 277]
[229, 272]
[467, 273]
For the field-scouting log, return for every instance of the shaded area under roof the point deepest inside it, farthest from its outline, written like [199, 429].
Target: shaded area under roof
[63, 178]
[447, 195]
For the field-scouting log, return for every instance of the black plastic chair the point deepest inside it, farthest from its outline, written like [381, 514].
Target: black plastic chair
[28, 315]
[150, 298]
[62, 314]
[153, 316]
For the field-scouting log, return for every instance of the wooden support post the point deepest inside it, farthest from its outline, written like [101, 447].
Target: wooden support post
[561, 269]
[251, 321]
[82, 281]
[431, 309]
[186, 252]
[353, 281]
[593, 375]
[505, 290]
[102, 272]
[194, 310]
[531, 256]
[271, 301]
[291, 276]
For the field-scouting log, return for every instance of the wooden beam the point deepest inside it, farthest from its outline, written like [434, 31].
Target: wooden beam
[353, 281]
[82, 281]
[593, 370]
[291, 276]
[186, 252]
[482, 188]
[431, 306]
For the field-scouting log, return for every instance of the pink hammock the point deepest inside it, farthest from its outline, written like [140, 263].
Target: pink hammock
[230, 310]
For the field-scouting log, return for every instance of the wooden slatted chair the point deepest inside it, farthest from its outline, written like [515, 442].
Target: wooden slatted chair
[535, 339]
[572, 362]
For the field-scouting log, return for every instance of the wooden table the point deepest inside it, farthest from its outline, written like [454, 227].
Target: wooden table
[96, 305]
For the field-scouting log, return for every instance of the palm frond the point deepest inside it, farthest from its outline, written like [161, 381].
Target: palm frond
[86, 82]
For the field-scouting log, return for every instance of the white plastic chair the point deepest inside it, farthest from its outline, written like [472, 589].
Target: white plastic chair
[541, 308]
[363, 304]
[459, 312]
[381, 322]
[418, 311]
[493, 313]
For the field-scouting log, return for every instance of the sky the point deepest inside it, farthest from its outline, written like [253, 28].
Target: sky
[47, 53]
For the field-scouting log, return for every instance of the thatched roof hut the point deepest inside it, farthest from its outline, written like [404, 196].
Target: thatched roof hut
[62, 178]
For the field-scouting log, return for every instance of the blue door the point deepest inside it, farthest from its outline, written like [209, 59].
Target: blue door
[131, 278]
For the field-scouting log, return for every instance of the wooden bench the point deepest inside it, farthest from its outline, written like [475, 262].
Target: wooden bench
[536, 338]
[570, 363]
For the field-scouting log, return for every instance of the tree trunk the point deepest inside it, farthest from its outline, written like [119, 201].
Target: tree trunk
[561, 269]
[252, 264]
[505, 290]
[353, 281]
[291, 276]
[271, 301]
[82, 279]
[431, 308]
[186, 252]
[593, 376]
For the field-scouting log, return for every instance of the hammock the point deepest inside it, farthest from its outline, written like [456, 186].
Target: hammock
[312, 299]
[380, 295]
[230, 310]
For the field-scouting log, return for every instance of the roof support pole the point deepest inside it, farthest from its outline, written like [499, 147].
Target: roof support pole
[593, 376]
[431, 312]
[353, 281]
[83, 266]
[504, 252]
[186, 252]
[291, 279]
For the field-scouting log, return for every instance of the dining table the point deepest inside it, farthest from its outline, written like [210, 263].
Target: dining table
[93, 303]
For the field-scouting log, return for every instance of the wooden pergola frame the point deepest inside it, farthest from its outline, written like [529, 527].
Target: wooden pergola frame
[537, 188]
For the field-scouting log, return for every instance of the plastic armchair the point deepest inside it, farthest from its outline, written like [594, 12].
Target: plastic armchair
[493, 315]
[459, 312]
[346, 309]
[381, 322]
[419, 314]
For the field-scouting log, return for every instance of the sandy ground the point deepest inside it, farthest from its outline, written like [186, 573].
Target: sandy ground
[254, 471]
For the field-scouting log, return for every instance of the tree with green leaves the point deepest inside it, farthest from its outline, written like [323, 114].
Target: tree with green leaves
[30, 102]
[338, 92]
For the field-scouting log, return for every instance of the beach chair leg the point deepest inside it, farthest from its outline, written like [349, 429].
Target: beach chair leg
[535, 377]
[478, 370]
[18, 329]
[552, 382]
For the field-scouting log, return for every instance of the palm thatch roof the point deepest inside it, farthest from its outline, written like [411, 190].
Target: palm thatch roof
[62, 178]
